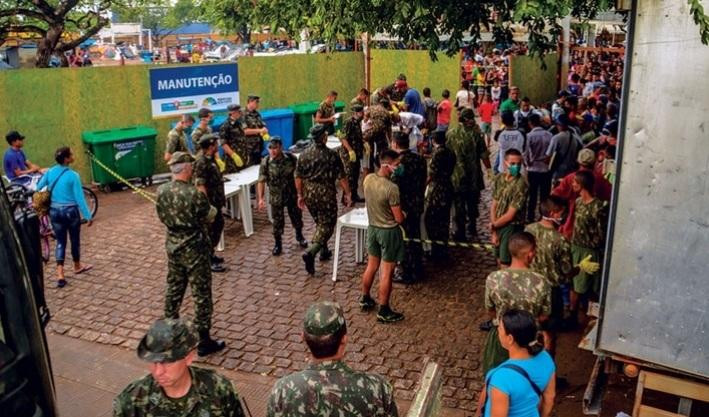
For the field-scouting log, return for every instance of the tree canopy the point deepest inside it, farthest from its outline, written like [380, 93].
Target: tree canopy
[160, 16]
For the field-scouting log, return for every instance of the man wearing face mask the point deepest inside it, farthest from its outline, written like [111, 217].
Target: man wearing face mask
[468, 144]
[410, 177]
[385, 243]
[509, 197]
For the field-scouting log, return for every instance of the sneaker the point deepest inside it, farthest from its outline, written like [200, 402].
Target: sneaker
[325, 254]
[218, 268]
[309, 260]
[209, 346]
[277, 248]
[366, 303]
[387, 315]
[217, 259]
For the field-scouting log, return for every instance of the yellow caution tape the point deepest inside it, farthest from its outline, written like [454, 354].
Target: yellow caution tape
[145, 194]
[480, 246]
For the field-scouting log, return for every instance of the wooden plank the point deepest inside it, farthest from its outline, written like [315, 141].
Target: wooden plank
[639, 394]
[647, 411]
[676, 386]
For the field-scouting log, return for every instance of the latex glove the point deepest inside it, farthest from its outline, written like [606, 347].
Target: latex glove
[353, 155]
[220, 164]
[588, 266]
[237, 160]
[266, 137]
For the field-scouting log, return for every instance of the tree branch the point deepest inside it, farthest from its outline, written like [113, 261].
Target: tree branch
[62, 46]
[65, 7]
[46, 9]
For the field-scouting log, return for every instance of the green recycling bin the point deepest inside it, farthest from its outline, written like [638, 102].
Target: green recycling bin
[305, 116]
[128, 152]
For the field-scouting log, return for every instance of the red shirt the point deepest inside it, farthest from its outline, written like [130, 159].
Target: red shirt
[601, 189]
[444, 112]
[486, 110]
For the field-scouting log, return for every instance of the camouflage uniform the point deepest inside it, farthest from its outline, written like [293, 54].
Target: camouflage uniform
[508, 289]
[320, 167]
[211, 394]
[231, 133]
[185, 212]
[198, 132]
[206, 173]
[379, 130]
[254, 143]
[356, 100]
[327, 110]
[440, 198]
[353, 134]
[412, 186]
[552, 259]
[590, 221]
[176, 142]
[330, 388]
[278, 174]
[469, 148]
[509, 194]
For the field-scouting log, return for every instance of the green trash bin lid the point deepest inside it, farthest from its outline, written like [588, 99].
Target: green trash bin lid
[118, 135]
[309, 107]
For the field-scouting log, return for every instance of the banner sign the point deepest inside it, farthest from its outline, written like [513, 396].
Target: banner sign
[179, 90]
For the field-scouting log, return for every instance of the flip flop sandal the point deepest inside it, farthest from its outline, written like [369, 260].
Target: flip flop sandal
[83, 269]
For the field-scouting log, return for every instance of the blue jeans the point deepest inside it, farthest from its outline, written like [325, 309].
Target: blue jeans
[66, 219]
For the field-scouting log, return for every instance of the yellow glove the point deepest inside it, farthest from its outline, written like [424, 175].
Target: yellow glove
[220, 164]
[237, 160]
[588, 266]
[353, 155]
[266, 137]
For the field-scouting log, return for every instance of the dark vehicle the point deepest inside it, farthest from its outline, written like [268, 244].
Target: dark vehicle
[26, 385]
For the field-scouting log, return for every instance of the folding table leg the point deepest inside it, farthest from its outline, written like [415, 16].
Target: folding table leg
[220, 245]
[338, 232]
[359, 246]
[245, 208]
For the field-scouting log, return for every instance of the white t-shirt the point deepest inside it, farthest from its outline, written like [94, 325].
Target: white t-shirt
[465, 99]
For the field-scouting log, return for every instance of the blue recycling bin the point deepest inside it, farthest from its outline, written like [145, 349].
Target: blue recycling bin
[279, 123]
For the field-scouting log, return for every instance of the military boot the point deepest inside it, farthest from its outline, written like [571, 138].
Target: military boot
[207, 345]
[300, 238]
[277, 247]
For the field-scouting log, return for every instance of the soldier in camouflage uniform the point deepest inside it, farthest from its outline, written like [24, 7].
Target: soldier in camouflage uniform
[232, 140]
[468, 144]
[176, 138]
[326, 113]
[379, 132]
[352, 149]
[209, 181]
[588, 238]
[439, 196]
[509, 198]
[317, 171]
[411, 180]
[360, 99]
[278, 172]
[516, 287]
[174, 387]
[186, 213]
[254, 129]
[328, 387]
[203, 128]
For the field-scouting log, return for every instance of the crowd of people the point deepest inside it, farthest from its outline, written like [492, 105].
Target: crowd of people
[547, 225]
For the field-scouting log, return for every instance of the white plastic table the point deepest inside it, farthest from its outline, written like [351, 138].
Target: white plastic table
[356, 219]
[239, 185]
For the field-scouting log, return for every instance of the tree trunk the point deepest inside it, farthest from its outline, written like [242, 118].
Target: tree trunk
[245, 34]
[47, 45]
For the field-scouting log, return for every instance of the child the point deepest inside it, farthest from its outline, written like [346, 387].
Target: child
[444, 112]
[487, 109]
[590, 216]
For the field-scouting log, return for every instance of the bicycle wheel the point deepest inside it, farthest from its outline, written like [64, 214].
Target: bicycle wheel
[91, 200]
[45, 231]
[18, 195]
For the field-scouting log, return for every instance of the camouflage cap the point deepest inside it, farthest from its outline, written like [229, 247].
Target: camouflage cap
[356, 108]
[323, 318]
[467, 115]
[275, 141]
[233, 107]
[586, 157]
[208, 140]
[204, 112]
[167, 340]
[180, 157]
[317, 130]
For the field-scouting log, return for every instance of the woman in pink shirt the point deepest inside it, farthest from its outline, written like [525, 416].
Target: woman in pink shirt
[444, 112]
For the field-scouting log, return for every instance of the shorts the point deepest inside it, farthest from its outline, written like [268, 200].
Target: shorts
[486, 127]
[502, 252]
[385, 244]
[584, 282]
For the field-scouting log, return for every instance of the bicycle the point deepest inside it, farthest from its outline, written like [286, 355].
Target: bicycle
[29, 182]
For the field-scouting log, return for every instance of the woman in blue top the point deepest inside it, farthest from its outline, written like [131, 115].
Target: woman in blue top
[66, 202]
[525, 384]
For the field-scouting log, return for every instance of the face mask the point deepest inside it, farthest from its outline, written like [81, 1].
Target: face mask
[556, 221]
[514, 170]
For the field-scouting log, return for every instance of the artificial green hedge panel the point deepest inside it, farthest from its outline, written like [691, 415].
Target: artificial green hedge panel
[537, 84]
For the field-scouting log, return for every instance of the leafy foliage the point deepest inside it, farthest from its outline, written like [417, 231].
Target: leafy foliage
[159, 16]
[700, 18]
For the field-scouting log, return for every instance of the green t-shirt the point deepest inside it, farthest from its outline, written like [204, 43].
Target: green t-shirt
[381, 195]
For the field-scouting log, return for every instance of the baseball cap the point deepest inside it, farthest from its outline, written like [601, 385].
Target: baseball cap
[167, 340]
[253, 97]
[180, 157]
[467, 114]
[317, 130]
[323, 318]
[275, 140]
[13, 135]
[204, 112]
[207, 140]
[586, 157]
[233, 107]
[356, 108]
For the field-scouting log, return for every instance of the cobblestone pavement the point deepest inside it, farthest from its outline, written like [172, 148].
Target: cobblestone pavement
[260, 301]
